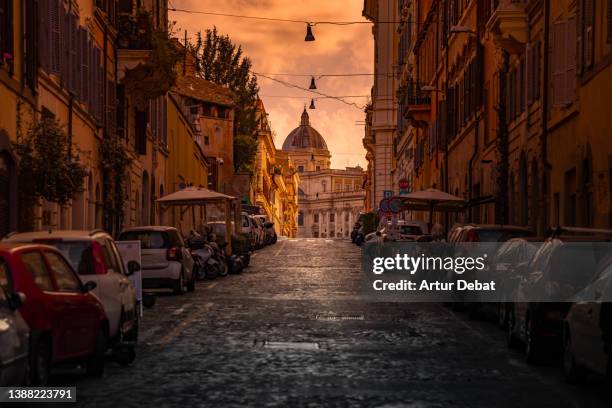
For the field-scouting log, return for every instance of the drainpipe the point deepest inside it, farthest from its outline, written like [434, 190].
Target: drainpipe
[471, 165]
[543, 219]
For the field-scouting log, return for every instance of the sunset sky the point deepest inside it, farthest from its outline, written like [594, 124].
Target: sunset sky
[279, 47]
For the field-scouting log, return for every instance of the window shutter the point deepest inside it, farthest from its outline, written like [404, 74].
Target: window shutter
[529, 72]
[589, 38]
[55, 34]
[570, 76]
[609, 21]
[74, 62]
[141, 132]
[111, 106]
[101, 78]
[43, 34]
[558, 64]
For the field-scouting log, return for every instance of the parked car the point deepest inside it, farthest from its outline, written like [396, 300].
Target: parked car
[505, 271]
[249, 229]
[67, 321]
[539, 325]
[587, 332]
[166, 259]
[95, 257]
[14, 333]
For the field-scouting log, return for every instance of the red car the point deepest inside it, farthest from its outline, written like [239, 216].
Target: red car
[66, 321]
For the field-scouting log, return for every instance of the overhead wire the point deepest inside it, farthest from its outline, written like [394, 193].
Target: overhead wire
[284, 20]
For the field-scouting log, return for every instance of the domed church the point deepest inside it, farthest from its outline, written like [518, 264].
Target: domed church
[329, 200]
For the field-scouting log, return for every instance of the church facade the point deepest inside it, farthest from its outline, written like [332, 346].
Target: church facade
[329, 200]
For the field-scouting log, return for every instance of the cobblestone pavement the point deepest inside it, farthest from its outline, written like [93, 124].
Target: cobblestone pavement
[291, 331]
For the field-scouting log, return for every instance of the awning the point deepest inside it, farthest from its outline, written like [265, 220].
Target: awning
[192, 195]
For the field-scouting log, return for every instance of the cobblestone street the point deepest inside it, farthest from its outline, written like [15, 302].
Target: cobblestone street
[291, 331]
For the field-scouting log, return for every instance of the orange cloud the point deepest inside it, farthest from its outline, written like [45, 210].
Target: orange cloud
[278, 47]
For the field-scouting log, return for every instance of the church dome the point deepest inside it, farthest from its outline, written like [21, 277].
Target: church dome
[304, 136]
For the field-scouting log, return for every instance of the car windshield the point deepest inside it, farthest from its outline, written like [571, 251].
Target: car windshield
[78, 254]
[410, 230]
[148, 239]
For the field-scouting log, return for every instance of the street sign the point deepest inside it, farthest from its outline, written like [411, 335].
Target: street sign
[388, 193]
[404, 184]
[395, 205]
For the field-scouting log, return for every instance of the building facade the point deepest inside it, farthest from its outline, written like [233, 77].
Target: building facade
[380, 127]
[501, 102]
[329, 200]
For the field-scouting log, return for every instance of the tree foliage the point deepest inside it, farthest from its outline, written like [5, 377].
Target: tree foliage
[220, 61]
[49, 168]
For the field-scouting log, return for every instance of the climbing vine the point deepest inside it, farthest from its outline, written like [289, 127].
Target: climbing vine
[115, 166]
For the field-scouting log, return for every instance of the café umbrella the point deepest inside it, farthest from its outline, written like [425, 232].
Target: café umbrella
[432, 200]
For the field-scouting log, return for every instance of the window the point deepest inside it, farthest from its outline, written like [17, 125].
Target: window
[35, 265]
[301, 219]
[206, 140]
[148, 239]
[318, 168]
[564, 62]
[113, 264]
[65, 277]
[6, 27]
[332, 217]
[300, 169]
[609, 21]
[78, 253]
[316, 218]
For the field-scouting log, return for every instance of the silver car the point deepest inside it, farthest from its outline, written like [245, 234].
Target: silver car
[14, 335]
[166, 260]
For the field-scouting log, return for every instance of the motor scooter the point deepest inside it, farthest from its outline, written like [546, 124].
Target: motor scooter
[206, 264]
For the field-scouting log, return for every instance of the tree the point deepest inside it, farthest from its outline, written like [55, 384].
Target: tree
[49, 168]
[220, 61]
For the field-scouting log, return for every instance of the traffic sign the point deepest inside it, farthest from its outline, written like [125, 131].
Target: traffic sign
[404, 184]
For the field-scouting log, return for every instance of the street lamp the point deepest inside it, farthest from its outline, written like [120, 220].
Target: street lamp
[309, 34]
[462, 30]
[313, 85]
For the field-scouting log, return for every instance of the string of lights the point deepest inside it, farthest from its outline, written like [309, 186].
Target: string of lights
[319, 76]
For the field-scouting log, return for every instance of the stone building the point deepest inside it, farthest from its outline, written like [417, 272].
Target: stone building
[329, 200]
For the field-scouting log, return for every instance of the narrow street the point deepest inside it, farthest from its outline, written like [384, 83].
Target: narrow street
[291, 331]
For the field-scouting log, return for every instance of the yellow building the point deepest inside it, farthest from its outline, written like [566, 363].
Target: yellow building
[18, 100]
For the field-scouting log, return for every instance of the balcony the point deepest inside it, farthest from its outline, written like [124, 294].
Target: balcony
[415, 104]
[508, 25]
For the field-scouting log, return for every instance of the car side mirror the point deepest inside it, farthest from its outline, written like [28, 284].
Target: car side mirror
[16, 300]
[89, 286]
[132, 268]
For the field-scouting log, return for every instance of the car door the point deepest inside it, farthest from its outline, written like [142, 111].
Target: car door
[44, 307]
[186, 259]
[79, 316]
[116, 285]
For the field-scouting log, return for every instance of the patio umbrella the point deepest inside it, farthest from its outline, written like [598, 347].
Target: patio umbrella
[432, 200]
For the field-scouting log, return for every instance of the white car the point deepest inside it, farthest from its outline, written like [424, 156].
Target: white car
[166, 260]
[95, 257]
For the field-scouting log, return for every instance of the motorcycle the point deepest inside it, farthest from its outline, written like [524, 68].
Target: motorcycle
[270, 235]
[206, 264]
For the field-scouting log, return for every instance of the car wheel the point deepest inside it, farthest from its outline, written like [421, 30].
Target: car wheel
[573, 372]
[531, 342]
[223, 269]
[125, 355]
[502, 315]
[40, 362]
[179, 286]
[192, 282]
[510, 327]
[95, 362]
